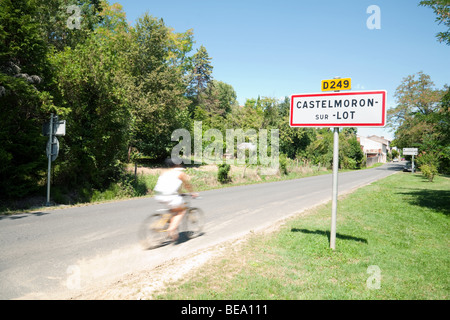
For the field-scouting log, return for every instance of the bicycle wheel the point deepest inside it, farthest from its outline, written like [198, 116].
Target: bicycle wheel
[153, 231]
[193, 222]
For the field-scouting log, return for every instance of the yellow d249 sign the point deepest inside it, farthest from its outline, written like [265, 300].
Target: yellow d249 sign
[337, 84]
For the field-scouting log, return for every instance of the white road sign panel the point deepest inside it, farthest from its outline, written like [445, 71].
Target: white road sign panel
[410, 151]
[339, 109]
[59, 128]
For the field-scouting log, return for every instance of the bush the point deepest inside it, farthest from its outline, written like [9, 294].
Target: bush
[428, 158]
[429, 171]
[222, 173]
[283, 164]
[349, 163]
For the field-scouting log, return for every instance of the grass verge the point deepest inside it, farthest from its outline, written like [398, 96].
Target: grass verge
[392, 243]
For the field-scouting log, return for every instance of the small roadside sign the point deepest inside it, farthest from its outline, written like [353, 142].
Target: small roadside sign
[339, 109]
[59, 128]
[336, 84]
[410, 151]
[52, 149]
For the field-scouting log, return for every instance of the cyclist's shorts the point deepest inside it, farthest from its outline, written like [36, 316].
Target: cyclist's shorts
[172, 201]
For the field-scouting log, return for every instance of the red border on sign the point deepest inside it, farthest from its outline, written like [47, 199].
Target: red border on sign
[381, 124]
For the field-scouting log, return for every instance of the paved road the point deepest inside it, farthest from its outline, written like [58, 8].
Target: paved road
[56, 253]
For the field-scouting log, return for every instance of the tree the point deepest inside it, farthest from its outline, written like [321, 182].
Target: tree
[92, 82]
[439, 141]
[24, 99]
[350, 154]
[159, 104]
[68, 22]
[442, 10]
[417, 100]
[443, 127]
[320, 150]
[250, 116]
[421, 119]
[200, 75]
[293, 141]
[218, 98]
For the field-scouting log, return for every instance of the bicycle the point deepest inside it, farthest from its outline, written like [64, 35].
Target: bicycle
[153, 231]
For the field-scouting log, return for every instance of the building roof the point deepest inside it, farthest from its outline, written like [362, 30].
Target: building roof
[381, 139]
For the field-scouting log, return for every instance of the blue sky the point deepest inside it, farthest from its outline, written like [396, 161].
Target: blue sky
[279, 48]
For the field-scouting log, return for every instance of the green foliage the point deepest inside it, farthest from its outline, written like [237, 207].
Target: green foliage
[429, 171]
[428, 158]
[54, 19]
[422, 118]
[283, 164]
[320, 151]
[157, 91]
[118, 87]
[90, 79]
[350, 154]
[442, 10]
[395, 153]
[223, 173]
[200, 75]
[428, 163]
[23, 99]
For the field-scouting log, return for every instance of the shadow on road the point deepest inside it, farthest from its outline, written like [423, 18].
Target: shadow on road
[327, 233]
[399, 166]
[22, 215]
[184, 236]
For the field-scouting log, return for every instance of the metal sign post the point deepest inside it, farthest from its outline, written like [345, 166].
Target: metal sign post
[49, 155]
[53, 129]
[335, 185]
[335, 188]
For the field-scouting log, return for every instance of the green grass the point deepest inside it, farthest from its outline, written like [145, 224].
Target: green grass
[399, 225]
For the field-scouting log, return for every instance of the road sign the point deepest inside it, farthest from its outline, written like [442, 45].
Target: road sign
[336, 84]
[59, 128]
[410, 151]
[52, 149]
[339, 109]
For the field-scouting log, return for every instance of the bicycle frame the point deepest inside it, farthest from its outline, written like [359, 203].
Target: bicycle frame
[192, 218]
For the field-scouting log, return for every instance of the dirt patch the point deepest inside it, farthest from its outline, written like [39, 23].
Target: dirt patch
[145, 170]
[145, 285]
[208, 168]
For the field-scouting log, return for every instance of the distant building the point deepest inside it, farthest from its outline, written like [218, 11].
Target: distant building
[375, 148]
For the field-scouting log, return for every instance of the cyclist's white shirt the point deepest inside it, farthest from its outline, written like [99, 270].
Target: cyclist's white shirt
[168, 186]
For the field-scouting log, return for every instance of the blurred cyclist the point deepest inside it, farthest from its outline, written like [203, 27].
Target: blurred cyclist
[167, 188]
